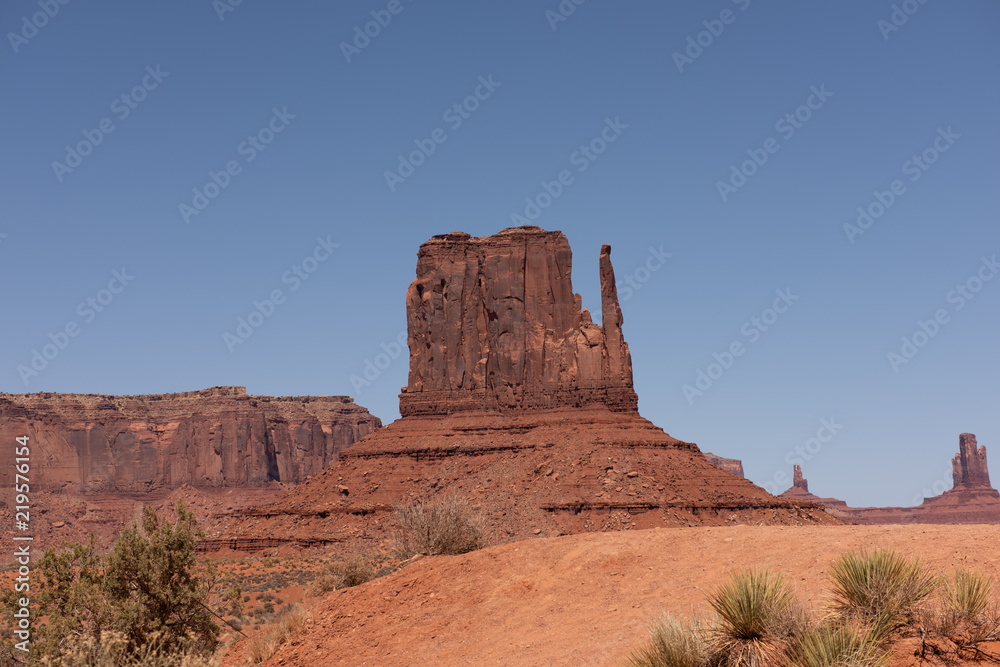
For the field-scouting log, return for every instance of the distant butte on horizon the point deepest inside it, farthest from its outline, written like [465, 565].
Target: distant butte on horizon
[970, 500]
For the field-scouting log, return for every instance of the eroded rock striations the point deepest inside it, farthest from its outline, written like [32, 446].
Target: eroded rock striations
[494, 324]
[519, 402]
[219, 437]
[969, 467]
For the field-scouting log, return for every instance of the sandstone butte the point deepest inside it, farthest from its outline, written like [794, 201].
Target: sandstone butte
[971, 500]
[521, 403]
[94, 458]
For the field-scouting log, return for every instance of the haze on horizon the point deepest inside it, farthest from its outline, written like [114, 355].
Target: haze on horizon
[810, 183]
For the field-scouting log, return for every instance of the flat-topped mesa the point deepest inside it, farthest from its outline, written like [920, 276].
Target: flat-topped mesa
[494, 324]
[211, 438]
[969, 465]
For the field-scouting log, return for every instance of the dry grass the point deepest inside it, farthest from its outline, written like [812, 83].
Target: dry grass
[443, 527]
[351, 571]
[111, 650]
[266, 643]
[838, 646]
[672, 643]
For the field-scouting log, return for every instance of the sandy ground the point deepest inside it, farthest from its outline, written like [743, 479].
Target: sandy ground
[587, 599]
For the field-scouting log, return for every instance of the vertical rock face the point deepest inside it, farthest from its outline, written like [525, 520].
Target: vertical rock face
[519, 402]
[214, 438]
[732, 466]
[969, 465]
[494, 324]
[798, 481]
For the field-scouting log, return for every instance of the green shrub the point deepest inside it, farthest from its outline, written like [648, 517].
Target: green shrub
[880, 588]
[672, 643]
[443, 527]
[150, 585]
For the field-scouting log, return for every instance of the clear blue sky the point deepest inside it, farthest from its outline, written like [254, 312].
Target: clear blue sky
[197, 87]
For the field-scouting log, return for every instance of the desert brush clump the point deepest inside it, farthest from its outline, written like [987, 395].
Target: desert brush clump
[289, 623]
[964, 612]
[148, 596]
[757, 619]
[447, 526]
[672, 643]
[967, 595]
[112, 649]
[838, 645]
[351, 571]
[880, 588]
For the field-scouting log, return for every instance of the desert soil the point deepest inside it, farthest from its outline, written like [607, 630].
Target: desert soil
[587, 599]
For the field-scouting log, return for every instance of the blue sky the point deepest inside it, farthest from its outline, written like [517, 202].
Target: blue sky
[256, 138]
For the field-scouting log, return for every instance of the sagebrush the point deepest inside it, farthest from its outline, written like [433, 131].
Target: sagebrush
[443, 527]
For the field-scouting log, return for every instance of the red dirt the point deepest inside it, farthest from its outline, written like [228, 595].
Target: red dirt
[587, 599]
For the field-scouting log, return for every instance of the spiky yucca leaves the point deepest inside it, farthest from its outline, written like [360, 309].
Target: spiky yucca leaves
[838, 646]
[969, 595]
[672, 643]
[757, 617]
[880, 588]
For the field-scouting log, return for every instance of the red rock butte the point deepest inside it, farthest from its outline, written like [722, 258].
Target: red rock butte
[971, 500]
[493, 324]
[519, 402]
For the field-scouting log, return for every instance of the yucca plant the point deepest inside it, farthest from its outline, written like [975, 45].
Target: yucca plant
[757, 617]
[672, 643]
[880, 588]
[968, 596]
[838, 645]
